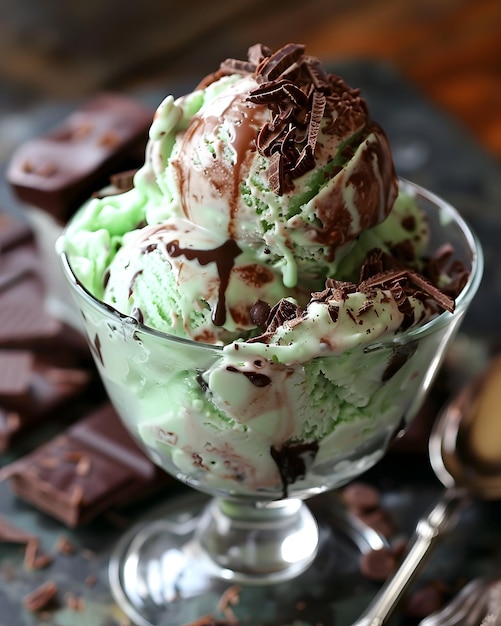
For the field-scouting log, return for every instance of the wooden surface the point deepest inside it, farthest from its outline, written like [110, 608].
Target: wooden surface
[450, 48]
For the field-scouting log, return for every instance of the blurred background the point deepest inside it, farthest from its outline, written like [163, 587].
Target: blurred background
[63, 50]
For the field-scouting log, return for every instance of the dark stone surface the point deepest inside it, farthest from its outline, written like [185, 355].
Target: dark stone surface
[430, 150]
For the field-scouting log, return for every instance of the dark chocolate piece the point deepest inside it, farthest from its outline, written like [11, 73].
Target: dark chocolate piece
[93, 466]
[60, 170]
[32, 387]
[24, 323]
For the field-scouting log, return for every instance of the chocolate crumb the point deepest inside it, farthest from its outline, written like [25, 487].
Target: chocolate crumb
[34, 558]
[75, 603]
[377, 565]
[64, 546]
[360, 497]
[426, 600]
[230, 597]
[12, 534]
[380, 520]
[41, 597]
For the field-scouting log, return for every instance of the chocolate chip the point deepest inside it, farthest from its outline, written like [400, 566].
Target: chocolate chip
[259, 313]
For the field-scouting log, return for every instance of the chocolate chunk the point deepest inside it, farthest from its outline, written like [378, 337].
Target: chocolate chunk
[259, 313]
[60, 170]
[116, 471]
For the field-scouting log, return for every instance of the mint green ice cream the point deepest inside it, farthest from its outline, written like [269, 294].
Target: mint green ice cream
[268, 233]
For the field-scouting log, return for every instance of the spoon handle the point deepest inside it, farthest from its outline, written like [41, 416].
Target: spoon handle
[429, 529]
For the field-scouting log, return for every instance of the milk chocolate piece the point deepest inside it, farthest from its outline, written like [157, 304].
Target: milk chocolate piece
[60, 170]
[13, 232]
[35, 388]
[93, 466]
[24, 323]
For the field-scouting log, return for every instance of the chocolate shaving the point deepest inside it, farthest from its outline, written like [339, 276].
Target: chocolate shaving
[272, 66]
[299, 95]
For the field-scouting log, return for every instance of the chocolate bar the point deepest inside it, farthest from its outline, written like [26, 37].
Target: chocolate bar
[43, 364]
[59, 171]
[13, 232]
[91, 467]
[34, 387]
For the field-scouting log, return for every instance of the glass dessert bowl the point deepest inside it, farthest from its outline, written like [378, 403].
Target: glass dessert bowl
[259, 436]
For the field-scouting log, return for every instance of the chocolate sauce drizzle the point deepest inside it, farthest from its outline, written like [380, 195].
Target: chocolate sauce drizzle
[293, 461]
[299, 93]
[224, 257]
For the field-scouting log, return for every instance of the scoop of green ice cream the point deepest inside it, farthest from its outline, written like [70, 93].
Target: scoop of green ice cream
[271, 163]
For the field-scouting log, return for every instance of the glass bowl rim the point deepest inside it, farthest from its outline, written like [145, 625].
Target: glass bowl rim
[406, 336]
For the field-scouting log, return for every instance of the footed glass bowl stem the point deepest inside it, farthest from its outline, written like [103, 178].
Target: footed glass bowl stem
[255, 542]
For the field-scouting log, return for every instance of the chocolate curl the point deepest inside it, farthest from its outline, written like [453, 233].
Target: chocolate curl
[272, 67]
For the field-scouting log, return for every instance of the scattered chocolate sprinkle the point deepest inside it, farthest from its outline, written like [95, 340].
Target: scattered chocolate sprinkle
[298, 92]
[41, 597]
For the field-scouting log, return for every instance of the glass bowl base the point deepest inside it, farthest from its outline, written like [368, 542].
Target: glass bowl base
[161, 575]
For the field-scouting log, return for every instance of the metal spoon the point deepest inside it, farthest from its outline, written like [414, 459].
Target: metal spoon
[465, 454]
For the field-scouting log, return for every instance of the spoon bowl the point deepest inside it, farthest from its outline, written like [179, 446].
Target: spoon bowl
[465, 443]
[465, 454]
